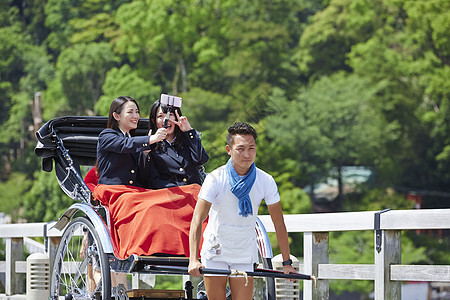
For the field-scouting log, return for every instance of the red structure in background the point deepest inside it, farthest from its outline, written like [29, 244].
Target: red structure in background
[417, 199]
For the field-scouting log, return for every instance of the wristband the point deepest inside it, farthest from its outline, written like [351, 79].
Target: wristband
[287, 262]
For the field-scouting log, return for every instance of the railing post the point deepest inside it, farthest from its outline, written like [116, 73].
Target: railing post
[389, 254]
[316, 249]
[52, 247]
[13, 280]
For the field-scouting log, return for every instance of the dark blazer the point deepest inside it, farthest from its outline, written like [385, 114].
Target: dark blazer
[118, 157]
[170, 166]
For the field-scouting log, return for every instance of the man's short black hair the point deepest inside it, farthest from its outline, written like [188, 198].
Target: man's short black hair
[240, 128]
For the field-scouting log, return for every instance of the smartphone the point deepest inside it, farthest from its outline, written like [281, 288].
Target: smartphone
[170, 100]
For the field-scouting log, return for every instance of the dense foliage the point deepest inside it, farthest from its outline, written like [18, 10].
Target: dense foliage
[327, 84]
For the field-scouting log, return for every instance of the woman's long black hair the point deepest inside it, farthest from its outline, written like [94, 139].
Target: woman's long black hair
[152, 124]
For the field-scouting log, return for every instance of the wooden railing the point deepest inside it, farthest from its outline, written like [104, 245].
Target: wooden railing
[387, 270]
[14, 266]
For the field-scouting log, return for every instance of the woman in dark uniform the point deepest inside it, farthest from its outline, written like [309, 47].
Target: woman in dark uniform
[118, 151]
[175, 160]
[163, 216]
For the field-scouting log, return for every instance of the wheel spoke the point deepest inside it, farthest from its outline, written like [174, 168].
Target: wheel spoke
[76, 268]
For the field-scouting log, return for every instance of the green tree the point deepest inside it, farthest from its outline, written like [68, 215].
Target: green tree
[335, 126]
[333, 31]
[96, 21]
[45, 201]
[227, 47]
[12, 193]
[410, 53]
[23, 71]
[80, 21]
[13, 52]
[57, 14]
[126, 82]
[79, 77]
[32, 16]
[157, 38]
[209, 113]
[15, 130]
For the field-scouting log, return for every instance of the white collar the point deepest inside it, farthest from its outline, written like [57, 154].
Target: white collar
[124, 134]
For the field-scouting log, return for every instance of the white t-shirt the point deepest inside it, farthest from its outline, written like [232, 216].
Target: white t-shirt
[230, 237]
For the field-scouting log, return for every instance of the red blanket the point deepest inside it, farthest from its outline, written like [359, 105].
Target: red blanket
[145, 222]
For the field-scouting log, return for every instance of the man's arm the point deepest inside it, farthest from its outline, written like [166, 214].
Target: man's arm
[195, 233]
[280, 228]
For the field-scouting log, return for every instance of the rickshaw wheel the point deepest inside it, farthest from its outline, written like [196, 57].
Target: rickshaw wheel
[81, 268]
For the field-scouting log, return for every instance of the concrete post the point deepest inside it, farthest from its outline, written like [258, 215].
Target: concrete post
[285, 289]
[38, 276]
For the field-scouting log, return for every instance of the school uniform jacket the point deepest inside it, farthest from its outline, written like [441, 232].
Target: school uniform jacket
[118, 157]
[170, 166]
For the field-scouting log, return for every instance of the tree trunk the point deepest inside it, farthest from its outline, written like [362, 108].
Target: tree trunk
[37, 111]
[183, 76]
[340, 196]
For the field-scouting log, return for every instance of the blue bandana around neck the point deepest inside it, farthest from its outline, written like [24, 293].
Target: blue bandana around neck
[240, 187]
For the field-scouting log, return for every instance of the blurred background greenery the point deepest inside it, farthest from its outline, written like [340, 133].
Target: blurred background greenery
[331, 86]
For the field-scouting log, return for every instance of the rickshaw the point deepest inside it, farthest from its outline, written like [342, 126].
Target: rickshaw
[66, 144]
